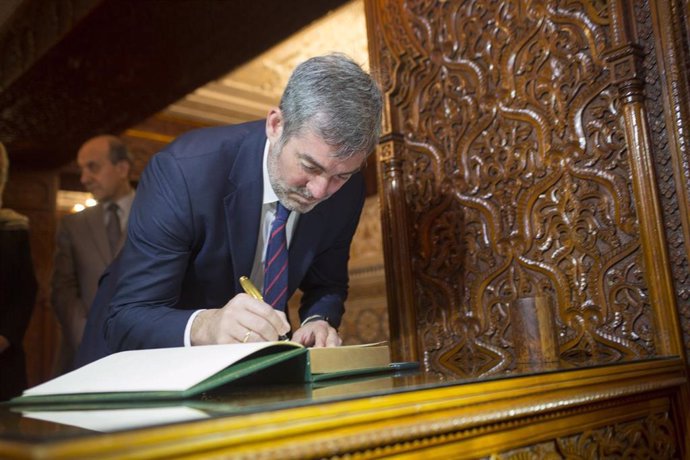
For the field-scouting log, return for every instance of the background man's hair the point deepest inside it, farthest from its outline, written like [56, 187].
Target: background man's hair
[118, 151]
[332, 96]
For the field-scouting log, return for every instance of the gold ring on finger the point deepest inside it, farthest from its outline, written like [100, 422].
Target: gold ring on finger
[246, 336]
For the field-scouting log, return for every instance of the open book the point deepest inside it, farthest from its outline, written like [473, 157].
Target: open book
[183, 372]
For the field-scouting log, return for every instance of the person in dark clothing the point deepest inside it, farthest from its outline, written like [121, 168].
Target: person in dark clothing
[17, 292]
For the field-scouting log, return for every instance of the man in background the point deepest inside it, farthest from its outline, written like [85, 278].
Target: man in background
[89, 240]
[17, 292]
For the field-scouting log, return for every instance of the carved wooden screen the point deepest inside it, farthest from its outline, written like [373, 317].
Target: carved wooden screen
[516, 161]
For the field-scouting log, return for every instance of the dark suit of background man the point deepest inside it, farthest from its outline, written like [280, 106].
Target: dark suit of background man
[17, 292]
[87, 241]
[205, 203]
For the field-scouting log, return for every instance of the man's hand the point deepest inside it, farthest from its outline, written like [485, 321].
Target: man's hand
[317, 334]
[242, 319]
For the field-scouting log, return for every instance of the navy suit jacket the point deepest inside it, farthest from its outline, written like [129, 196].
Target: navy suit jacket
[192, 233]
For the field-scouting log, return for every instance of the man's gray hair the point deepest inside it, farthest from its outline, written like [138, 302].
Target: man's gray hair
[332, 96]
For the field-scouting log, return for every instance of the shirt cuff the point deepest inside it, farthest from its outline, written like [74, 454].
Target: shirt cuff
[188, 329]
[314, 318]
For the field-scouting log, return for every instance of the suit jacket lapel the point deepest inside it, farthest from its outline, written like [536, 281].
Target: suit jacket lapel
[243, 204]
[95, 221]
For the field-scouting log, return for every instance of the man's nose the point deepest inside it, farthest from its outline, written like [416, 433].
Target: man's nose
[318, 187]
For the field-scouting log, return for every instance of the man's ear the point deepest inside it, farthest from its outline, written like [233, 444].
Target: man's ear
[274, 125]
[123, 167]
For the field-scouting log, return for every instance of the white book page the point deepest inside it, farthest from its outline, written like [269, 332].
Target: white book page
[119, 419]
[159, 369]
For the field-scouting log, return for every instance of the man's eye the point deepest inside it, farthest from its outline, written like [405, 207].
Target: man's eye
[344, 177]
[309, 168]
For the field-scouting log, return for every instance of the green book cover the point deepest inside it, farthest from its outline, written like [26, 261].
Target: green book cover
[171, 373]
[186, 372]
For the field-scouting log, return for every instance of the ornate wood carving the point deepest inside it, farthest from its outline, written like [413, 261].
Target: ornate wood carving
[647, 437]
[625, 60]
[664, 37]
[525, 168]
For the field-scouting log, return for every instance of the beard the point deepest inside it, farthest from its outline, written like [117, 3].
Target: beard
[297, 199]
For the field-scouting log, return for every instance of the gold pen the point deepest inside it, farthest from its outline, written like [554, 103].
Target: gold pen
[250, 289]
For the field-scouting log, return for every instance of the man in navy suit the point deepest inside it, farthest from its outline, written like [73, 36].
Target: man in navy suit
[202, 213]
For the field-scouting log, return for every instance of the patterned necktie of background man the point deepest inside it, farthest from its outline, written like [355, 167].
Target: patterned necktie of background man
[276, 263]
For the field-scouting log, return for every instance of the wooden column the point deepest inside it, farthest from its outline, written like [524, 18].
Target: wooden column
[395, 229]
[625, 61]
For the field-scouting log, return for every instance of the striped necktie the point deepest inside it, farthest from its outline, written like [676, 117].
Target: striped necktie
[276, 263]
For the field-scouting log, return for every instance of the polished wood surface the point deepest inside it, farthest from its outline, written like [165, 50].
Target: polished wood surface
[559, 410]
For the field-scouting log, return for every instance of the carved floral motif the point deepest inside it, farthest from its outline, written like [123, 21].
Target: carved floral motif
[516, 178]
[664, 158]
[649, 437]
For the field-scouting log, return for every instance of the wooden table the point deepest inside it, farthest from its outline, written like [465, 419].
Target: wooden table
[627, 406]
